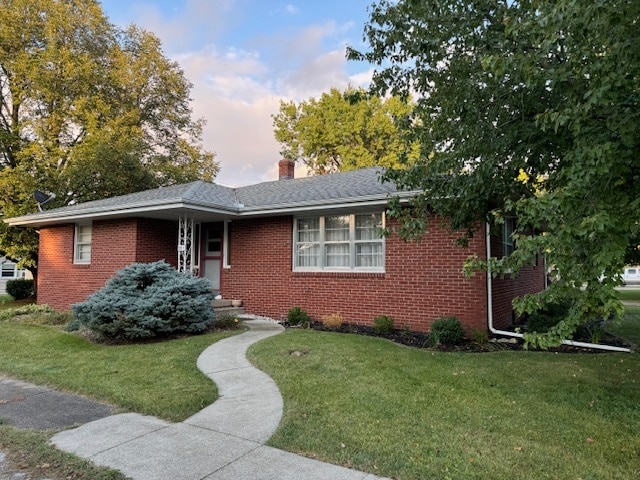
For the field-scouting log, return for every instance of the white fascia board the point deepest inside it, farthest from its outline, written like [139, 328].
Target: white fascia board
[45, 218]
[58, 217]
[373, 200]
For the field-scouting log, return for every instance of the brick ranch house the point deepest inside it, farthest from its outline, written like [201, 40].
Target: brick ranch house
[310, 242]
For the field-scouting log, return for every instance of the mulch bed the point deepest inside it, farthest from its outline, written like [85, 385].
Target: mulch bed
[422, 340]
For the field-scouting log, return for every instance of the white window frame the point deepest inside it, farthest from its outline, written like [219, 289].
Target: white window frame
[226, 239]
[79, 242]
[351, 241]
[508, 243]
[15, 273]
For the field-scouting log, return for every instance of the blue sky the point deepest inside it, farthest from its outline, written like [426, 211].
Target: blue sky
[245, 56]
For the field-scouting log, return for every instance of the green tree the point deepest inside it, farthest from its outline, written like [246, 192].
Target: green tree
[528, 108]
[87, 111]
[343, 131]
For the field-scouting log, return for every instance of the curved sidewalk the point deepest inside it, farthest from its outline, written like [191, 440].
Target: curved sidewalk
[224, 441]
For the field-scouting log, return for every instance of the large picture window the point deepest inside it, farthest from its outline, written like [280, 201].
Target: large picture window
[82, 244]
[339, 243]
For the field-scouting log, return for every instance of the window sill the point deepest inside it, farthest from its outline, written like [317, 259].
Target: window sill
[342, 274]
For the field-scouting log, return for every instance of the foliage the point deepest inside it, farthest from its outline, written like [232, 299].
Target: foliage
[529, 108]
[447, 331]
[226, 321]
[87, 110]
[343, 131]
[25, 310]
[147, 300]
[383, 324]
[480, 337]
[20, 288]
[333, 321]
[297, 316]
[547, 317]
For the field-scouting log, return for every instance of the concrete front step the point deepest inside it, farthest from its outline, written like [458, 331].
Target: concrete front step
[225, 307]
[228, 311]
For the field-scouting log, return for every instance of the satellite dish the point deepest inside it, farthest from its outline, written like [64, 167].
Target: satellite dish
[42, 198]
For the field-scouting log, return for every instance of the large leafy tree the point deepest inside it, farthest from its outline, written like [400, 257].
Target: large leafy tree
[87, 111]
[343, 131]
[527, 108]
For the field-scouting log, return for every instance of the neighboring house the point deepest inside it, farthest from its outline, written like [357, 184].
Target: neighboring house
[311, 242]
[631, 275]
[10, 271]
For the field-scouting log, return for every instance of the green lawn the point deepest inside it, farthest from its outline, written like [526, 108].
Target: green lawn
[5, 299]
[159, 379]
[629, 294]
[376, 406]
[412, 414]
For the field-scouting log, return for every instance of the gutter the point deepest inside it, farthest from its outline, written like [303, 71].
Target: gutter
[508, 333]
[238, 210]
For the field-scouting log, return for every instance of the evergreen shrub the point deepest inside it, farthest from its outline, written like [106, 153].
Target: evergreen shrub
[447, 331]
[20, 288]
[146, 300]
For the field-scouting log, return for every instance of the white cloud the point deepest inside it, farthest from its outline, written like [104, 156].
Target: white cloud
[237, 89]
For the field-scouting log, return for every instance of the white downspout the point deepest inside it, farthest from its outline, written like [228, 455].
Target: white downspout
[508, 333]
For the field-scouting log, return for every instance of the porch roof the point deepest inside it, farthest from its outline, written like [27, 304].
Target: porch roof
[356, 189]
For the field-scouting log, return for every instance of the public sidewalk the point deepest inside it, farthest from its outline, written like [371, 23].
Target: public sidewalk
[224, 441]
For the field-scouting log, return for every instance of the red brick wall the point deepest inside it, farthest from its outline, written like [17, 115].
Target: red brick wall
[422, 282]
[115, 244]
[157, 240]
[529, 279]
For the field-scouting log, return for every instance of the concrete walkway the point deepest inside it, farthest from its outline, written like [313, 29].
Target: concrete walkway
[224, 441]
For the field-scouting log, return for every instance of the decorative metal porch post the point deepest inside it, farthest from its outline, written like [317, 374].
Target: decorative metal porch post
[185, 244]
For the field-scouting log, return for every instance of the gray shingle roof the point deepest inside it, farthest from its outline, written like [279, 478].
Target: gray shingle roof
[336, 188]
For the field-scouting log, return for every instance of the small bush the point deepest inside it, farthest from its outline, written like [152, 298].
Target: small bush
[447, 331]
[26, 312]
[297, 316]
[334, 321]
[383, 324]
[226, 321]
[481, 337]
[147, 300]
[592, 331]
[542, 320]
[20, 288]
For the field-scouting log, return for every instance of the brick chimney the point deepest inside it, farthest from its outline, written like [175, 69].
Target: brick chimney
[286, 169]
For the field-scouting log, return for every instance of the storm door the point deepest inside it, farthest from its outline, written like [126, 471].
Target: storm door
[212, 253]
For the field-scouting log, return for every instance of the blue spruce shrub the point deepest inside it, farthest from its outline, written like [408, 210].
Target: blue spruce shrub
[147, 300]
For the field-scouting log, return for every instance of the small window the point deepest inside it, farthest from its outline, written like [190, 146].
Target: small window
[213, 242]
[508, 244]
[631, 271]
[8, 270]
[82, 244]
